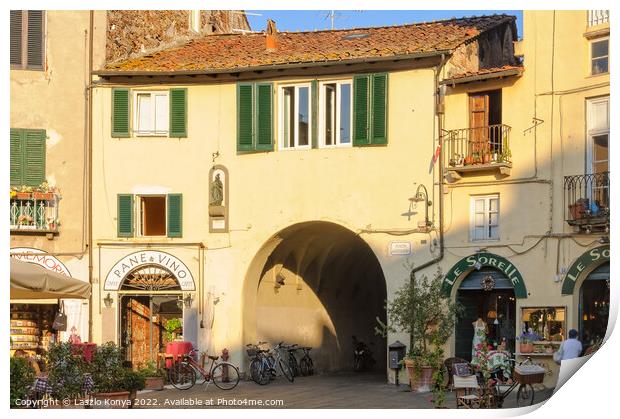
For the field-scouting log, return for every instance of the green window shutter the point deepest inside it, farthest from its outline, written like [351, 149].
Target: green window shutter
[175, 215]
[120, 113]
[361, 117]
[379, 109]
[178, 113]
[125, 215]
[17, 155]
[264, 117]
[34, 157]
[314, 102]
[245, 111]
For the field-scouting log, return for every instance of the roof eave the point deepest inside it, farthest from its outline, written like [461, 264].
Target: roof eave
[401, 57]
[480, 77]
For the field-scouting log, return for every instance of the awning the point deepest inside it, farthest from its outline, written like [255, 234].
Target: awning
[30, 281]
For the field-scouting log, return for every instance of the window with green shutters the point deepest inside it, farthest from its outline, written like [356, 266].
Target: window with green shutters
[125, 215]
[159, 215]
[254, 117]
[27, 149]
[370, 109]
[157, 113]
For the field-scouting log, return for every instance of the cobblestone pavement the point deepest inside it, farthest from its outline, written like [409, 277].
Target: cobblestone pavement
[325, 391]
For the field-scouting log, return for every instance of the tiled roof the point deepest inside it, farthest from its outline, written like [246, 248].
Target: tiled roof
[484, 73]
[236, 52]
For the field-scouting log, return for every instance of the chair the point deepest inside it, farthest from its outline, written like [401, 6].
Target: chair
[449, 367]
[467, 391]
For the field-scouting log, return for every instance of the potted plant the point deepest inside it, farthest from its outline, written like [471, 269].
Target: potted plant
[421, 309]
[173, 327]
[22, 380]
[132, 381]
[526, 341]
[112, 382]
[65, 367]
[486, 158]
[468, 160]
[153, 376]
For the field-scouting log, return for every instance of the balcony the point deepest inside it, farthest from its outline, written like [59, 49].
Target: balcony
[587, 201]
[34, 212]
[598, 17]
[477, 150]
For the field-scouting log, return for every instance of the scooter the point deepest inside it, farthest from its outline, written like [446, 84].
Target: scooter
[362, 356]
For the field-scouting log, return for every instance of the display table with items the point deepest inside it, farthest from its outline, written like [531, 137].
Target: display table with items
[31, 327]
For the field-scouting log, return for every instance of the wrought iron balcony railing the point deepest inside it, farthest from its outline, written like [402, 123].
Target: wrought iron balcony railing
[586, 200]
[477, 148]
[34, 212]
[597, 17]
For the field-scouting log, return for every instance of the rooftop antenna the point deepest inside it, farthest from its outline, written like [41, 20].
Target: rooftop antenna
[332, 15]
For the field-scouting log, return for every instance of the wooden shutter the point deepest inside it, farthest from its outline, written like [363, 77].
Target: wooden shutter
[34, 157]
[17, 153]
[35, 39]
[360, 110]
[125, 215]
[16, 37]
[264, 117]
[178, 113]
[120, 113]
[175, 215]
[314, 102]
[245, 111]
[379, 109]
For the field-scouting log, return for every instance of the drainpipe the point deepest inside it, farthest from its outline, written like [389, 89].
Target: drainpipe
[90, 171]
[441, 159]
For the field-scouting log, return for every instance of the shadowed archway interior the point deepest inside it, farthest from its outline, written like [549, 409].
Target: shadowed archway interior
[320, 285]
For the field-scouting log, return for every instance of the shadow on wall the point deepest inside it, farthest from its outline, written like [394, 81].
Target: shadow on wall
[321, 285]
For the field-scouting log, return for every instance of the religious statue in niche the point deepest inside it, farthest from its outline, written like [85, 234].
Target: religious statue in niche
[218, 199]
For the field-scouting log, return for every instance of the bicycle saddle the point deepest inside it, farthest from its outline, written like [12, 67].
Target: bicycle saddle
[214, 357]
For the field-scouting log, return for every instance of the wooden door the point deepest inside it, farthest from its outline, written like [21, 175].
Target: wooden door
[478, 124]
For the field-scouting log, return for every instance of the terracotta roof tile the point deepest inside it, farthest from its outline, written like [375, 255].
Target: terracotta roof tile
[234, 52]
[495, 71]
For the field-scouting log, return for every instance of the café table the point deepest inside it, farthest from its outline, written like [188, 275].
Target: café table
[176, 349]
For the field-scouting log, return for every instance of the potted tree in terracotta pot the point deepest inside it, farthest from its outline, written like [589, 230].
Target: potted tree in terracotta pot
[153, 376]
[421, 309]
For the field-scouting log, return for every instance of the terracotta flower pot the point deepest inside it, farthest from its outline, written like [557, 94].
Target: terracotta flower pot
[420, 378]
[43, 196]
[117, 400]
[154, 383]
[526, 348]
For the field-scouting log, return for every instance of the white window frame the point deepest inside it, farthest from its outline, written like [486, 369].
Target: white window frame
[593, 132]
[281, 116]
[487, 212]
[591, 61]
[140, 214]
[323, 119]
[136, 117]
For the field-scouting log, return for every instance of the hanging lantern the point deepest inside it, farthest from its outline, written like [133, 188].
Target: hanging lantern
[487, 282]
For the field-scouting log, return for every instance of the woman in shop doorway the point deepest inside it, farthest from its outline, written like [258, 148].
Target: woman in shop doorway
[480, 334]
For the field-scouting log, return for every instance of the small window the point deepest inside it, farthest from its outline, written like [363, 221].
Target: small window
[151, 115]
[295, 116]
[485, 218]
[600, 56]
[27, 39]
[153, 215]
[335, 115]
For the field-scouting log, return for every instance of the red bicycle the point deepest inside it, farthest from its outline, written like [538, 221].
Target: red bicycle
[182, 373]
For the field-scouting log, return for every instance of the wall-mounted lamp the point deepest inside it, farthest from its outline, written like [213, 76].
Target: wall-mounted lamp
[187, 301]
[421, 194]
[279, 280]
[108, 301]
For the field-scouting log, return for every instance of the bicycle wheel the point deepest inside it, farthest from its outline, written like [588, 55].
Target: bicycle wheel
[182, 376]
[525, 395]
[292, 361]
[259, 374]
[286, 371]
[225, 376]
[305, 365]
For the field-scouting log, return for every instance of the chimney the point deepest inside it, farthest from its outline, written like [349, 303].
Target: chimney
[270, 39]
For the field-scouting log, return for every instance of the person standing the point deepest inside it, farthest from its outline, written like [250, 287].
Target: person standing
[569, 349]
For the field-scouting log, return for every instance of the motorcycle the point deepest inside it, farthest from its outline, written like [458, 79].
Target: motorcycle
[362, 356]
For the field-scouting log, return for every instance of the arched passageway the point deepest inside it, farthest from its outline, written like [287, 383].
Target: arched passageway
[317, 284]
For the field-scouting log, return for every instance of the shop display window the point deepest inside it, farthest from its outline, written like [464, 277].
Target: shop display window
[542, 328]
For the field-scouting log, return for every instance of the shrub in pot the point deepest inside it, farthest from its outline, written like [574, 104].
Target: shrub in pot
[22, 379]
[113, 383]
[66, 368]
[154, 377]
[421, 309]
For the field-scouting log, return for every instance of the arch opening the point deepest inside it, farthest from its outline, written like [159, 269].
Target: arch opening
[317, 284]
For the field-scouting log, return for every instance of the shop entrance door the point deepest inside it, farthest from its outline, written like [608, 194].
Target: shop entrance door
[594, 306]
[143, 325]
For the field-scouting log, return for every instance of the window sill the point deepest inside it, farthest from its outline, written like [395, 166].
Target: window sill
[20, 230]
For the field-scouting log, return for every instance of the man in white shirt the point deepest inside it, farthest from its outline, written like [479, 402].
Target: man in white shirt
[570, 348]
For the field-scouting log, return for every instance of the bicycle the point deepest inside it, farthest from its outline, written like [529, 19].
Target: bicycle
[292, 360]
[264, 362]
[306, 366]
[525, 392]
[182, 373]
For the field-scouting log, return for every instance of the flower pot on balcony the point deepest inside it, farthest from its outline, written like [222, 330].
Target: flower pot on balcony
[469, 160]
[23, 195]
[43, 196]
[486, 158]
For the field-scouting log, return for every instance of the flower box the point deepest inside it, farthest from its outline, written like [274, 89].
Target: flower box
[43, 196]
[23, 195]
